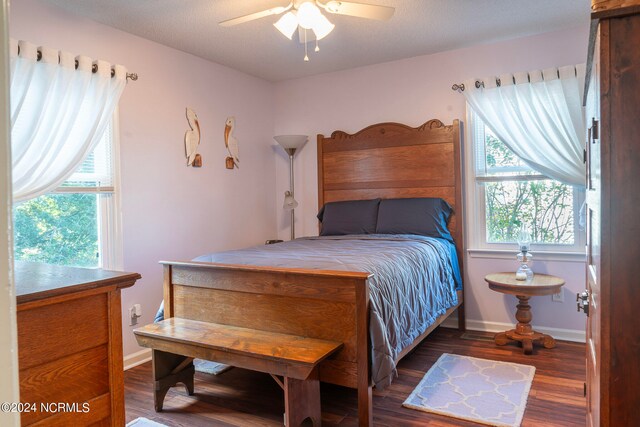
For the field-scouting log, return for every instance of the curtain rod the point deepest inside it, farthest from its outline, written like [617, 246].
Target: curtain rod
[459, 87]
[94, 67]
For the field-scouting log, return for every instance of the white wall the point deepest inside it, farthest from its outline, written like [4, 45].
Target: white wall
[9, 387]
[169, 211]
[412, 91]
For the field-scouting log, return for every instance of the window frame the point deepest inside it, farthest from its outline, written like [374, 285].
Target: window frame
[108, 206]
[478, 246]
[109, 215]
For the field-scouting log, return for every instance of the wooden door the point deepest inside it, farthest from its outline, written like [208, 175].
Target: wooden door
[593, 197]
[613, 199]
[593, 308]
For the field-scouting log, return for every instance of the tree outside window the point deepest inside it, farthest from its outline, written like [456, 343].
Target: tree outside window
[58, 229]
[514, 194]
[71, 225]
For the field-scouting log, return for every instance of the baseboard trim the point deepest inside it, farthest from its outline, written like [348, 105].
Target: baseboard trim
[574, 335]
[138, 358]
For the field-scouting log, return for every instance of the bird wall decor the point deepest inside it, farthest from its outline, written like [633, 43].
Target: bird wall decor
[192, 140]
[231, 143]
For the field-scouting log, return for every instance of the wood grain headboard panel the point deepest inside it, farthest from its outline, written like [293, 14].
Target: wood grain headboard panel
[391, 160]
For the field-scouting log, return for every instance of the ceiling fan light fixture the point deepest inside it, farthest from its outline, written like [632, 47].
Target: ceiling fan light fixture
[308, 15]
[322, 27]
[333, 6]
[287, 24]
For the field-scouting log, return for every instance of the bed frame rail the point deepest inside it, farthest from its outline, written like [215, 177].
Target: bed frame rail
[329, 305]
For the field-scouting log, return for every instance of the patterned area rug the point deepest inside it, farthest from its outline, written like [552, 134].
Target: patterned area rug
[144, 422]
[484, 391]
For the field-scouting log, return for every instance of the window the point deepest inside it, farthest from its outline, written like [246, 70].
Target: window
[508, 193]
[76, 224]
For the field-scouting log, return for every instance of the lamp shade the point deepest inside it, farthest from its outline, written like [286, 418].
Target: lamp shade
[308, 14]
[322, 27]
[289, 202]
[287, 24]
[524, 238]
[291, 142]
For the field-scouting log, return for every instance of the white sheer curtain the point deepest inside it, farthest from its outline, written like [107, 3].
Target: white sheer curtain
[58, 114]
[539, 116]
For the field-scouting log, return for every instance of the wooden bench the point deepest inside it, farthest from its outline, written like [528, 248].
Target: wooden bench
[176, 341]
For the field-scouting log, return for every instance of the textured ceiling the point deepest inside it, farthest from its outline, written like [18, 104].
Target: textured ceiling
[418, 27]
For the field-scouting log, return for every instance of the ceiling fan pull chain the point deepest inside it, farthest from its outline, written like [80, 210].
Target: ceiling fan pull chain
[307, 15]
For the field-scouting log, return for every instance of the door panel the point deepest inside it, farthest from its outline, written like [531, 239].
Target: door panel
[9, 385]
[593, 196]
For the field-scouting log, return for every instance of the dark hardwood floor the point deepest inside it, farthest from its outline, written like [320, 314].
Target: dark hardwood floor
[244, 398]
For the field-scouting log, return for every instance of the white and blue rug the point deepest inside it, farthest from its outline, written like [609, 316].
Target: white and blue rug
[209, 367]
[144, 422]
[484, 391]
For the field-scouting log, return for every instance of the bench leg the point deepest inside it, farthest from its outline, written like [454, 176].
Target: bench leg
[301, 401]
[169, 370]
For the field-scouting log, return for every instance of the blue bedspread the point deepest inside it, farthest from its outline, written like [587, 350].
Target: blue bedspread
[415, 280]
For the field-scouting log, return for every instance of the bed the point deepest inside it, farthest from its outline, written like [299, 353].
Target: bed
[328, 287]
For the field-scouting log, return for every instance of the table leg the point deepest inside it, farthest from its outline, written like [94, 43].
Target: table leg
[548, 341]
[501, 338]
[523, 315]
[523, 331]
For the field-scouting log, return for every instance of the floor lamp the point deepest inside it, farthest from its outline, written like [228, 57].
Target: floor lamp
[291, 143]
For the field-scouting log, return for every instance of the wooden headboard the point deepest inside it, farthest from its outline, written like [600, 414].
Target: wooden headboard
[391, 160]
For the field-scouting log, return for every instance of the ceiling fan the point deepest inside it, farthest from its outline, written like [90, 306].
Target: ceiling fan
[307, 15]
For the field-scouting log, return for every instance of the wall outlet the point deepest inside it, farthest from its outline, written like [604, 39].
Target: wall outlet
[134, 313]
[559, 297]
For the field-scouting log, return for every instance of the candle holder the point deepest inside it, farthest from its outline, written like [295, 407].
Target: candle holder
[524, 272]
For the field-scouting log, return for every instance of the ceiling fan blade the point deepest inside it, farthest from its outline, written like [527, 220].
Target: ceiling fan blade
[361, 10]
[252, 16]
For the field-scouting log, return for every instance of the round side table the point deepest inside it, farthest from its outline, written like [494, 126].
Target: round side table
[541, 284]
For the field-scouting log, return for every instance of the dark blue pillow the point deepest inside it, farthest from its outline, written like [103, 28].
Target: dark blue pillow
[422, 216]
[350, 217]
